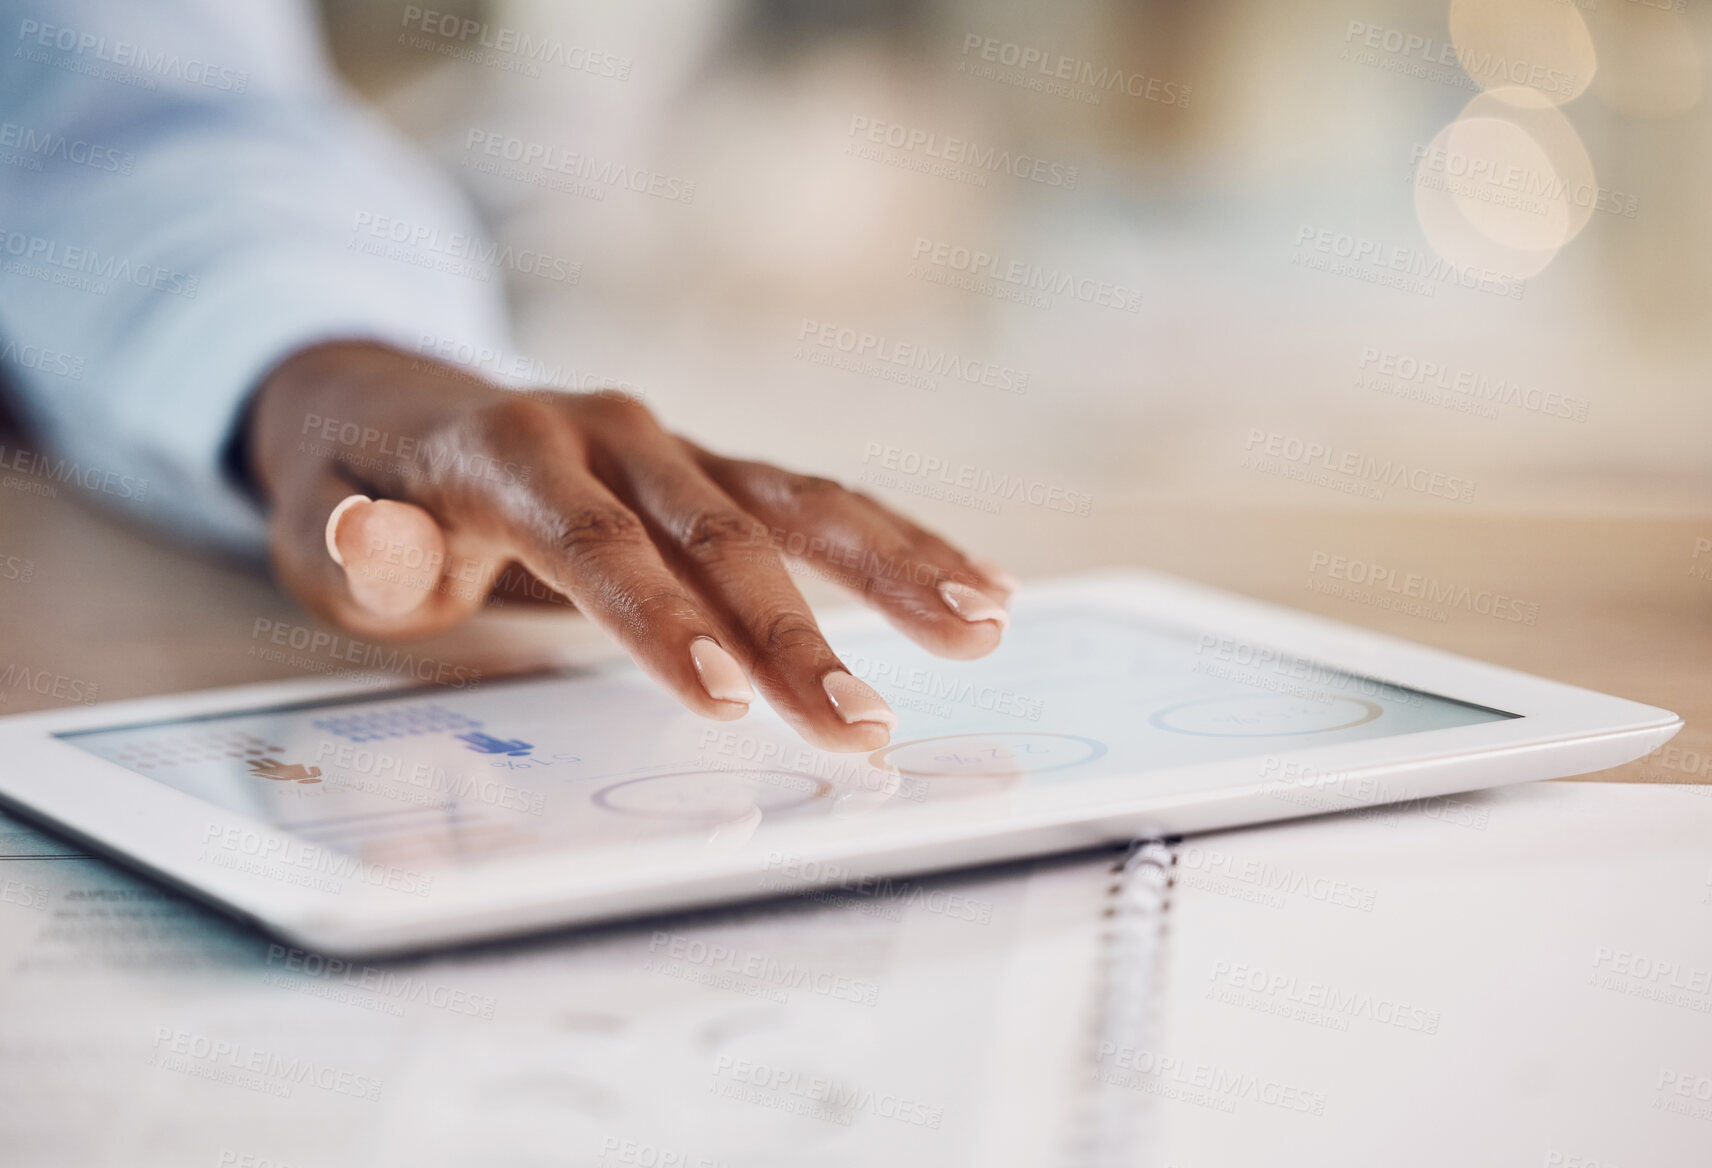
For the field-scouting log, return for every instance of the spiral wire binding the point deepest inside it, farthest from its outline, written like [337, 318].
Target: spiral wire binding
[1112, 1128]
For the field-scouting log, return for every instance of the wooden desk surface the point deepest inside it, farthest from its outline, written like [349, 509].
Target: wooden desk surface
[1615, 604]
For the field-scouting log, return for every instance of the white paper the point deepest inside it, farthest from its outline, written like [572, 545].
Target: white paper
[854, 1028]
[1520, 977]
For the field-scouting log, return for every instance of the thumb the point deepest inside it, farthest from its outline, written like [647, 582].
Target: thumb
[391, 554]
[374, 566]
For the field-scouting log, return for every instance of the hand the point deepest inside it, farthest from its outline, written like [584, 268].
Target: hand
[673, 550]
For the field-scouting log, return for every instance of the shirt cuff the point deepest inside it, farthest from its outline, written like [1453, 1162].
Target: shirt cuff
[193, 380]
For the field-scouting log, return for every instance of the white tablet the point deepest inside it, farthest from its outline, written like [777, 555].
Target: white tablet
[361, 819]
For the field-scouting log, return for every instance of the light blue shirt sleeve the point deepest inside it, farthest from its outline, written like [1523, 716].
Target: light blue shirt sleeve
[186, 198]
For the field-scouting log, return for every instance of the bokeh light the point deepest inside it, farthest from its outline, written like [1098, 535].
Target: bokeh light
[1539, 45]
[1505, 185]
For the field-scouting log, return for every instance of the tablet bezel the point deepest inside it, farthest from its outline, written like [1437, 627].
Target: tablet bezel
[1560, 730]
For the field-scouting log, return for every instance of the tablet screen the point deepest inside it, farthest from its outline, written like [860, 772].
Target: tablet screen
[599, 759]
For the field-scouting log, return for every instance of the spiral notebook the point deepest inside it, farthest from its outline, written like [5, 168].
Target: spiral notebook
[1522, 976]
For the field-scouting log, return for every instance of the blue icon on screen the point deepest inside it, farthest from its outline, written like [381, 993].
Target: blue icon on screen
[488, 744]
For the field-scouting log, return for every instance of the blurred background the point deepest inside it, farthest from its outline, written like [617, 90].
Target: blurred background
[1221, 251]
[1237, 290]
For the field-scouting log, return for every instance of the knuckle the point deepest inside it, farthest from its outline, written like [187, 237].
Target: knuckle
[615, 409]
[519, 416]
[810, 490]
[594, 527]
[664, 606]
[712, 531]
[787, 632]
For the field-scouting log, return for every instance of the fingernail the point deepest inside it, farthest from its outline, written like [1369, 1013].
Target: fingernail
[971, 605]
[345, 505]
[720, 674]
[857, 701]
[996, 574]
